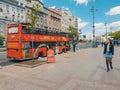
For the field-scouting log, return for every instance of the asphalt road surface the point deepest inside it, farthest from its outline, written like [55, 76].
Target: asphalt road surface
[3, 56]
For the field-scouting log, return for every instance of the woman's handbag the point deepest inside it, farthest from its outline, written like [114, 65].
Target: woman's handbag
[108, 55]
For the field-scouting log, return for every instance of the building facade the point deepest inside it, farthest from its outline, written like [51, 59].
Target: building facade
[54, 19]
[79, 34]
[10, 11]
[43, 14]
[15, 11]
[68, 20]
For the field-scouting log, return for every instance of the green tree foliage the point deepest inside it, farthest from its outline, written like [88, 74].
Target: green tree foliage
[34, 15]
[115, 35]
[1, 39]
[73, 32]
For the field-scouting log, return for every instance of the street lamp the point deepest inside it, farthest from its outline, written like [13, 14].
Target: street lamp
[93, 9]
[106, 29]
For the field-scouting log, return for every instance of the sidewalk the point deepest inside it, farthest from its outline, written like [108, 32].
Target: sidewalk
[82, 70]
[2, 49]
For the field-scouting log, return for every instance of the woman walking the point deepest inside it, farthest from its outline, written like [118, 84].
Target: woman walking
[108, 52]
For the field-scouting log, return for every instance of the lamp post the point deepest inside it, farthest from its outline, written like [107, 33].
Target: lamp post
[106, 29]
[93, 9]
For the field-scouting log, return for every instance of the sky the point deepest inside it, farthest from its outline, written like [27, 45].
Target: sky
[106, 11]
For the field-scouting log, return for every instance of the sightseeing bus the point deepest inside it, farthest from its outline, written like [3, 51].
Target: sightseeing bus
[26, 43]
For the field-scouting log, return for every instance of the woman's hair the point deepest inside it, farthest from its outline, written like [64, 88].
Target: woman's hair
[110, 40]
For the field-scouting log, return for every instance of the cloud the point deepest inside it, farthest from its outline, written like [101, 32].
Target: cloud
[99, 25]
[101, 29]
[81, 24]
[52, 7]
[115, 24]
[85, 2]
[114, 11]
[102, 25]
[65, 8]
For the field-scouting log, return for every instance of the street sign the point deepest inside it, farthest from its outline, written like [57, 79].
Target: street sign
[84, 36]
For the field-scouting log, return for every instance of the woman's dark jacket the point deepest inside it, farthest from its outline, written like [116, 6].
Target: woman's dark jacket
[111, 48]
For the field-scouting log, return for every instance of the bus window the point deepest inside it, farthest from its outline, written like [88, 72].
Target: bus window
[26, 30]
[13, 30]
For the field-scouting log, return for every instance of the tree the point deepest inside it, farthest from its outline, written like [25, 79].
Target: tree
[73, 32]
[34, 15]
[115, 35]
[1, 39]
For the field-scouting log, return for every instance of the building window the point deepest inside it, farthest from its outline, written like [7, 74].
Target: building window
[22, 11]
[13, 9]
[22, 17]
[1, 10]
[17, 10]
[7, 7]
[13, 17]
[0, 5]
[21, 4]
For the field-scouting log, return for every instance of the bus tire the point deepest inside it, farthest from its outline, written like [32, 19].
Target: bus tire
[64, 50]
[40, 54]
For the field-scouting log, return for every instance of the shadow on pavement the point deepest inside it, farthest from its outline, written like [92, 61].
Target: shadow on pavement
[6, 63]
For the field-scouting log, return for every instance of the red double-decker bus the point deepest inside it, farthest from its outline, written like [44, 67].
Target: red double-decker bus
[24, 43]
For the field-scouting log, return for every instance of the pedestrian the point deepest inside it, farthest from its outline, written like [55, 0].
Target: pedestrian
[74, 45]
[102, 44]
[108, 52]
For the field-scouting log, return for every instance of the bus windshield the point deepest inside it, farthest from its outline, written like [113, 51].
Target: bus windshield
[13, 30]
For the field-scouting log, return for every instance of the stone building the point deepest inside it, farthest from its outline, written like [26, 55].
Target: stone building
[10, 11]
[15, 11]
[68, 20]
[54, 19]
[43, 14]
[79, 34]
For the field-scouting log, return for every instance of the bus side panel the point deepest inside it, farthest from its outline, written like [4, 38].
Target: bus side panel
[26, 50]
[14, 54]
[62, 49]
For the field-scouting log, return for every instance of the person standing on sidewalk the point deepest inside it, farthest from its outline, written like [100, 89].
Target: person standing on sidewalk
[108, 52]
[74, 44]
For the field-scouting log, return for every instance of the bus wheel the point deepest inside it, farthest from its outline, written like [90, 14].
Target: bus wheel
[40, 54]
[64, 50]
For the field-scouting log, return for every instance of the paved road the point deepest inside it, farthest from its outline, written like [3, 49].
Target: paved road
[83, 46]
[82, 70]
[3, 56]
